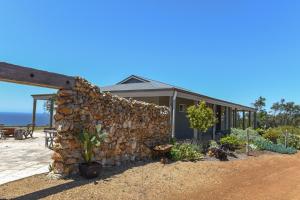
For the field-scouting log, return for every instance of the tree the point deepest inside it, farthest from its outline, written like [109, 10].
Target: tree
[283, 113]
[260, 103]
[201, 117]
[262, 114]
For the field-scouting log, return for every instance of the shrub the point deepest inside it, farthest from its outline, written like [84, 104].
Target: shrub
[201, 117]
[279, 148]
[213, 144]
[272, 135]
[290, 129]
[260, 131]
[292, 141]
[230, 142]
[185, 152]
[242, 135]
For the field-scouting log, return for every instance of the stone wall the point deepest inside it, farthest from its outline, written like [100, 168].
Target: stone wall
[133, 127]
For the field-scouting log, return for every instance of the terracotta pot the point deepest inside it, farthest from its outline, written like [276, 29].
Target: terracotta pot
[90, 170]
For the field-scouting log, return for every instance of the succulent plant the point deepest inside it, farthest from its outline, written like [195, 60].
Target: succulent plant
[89, 141]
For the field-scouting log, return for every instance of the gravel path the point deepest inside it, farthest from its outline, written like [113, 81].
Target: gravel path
[265, 177]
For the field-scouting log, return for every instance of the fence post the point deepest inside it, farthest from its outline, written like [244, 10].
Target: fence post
[285, 138]
[247, 145]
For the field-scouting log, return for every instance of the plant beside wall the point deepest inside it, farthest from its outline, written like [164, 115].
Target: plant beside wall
[89, 141]
[185, 152]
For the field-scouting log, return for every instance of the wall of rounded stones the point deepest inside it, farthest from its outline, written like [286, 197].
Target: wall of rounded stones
[133, 127]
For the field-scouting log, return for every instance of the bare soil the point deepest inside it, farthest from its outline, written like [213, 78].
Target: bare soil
[270, 176]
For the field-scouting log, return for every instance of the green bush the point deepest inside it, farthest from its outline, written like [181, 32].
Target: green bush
[213, 144]
[279, 148]
[292, 141]
[272, 135]
[242, 135]
[260, 131]
[231, 142]
[201, 117]
[185, 152]
[290, 129]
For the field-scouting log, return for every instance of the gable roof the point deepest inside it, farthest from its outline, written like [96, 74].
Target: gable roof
[137, 79]
[137, 83]
[140, 83]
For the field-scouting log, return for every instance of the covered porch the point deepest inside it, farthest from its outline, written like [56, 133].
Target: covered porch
[229, 115]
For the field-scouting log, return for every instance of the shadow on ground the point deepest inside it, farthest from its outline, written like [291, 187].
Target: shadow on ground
[77, 181]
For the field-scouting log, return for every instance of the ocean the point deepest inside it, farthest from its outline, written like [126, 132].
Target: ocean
[22, 119]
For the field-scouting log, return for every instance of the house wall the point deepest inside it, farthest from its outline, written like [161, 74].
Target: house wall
[182, 127]
[133, 127]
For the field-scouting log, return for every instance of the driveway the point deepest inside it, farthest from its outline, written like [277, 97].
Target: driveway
[23, 158]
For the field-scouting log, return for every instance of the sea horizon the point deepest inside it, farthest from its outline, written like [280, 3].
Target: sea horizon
[23, 118]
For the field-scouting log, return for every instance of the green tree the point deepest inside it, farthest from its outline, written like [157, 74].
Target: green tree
[262, 115]
[201, 117]
[260, 104]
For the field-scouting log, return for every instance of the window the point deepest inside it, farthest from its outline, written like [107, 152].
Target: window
[182, 107]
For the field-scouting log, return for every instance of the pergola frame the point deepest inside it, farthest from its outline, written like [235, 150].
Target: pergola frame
[29, 76]
[43, 97]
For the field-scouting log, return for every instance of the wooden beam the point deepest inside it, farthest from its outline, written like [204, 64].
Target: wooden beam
[29, 76]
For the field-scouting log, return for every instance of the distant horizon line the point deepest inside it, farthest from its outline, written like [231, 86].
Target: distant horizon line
[22, 112]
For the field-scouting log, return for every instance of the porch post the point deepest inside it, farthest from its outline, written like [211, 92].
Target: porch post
[244, 120]
[51, 112]
[255, 120]
[235, 118]
[227, 118]
[171, 109]
[174, 113]
[34, 113]
[215, 125]
[195, 130]
[249, 121]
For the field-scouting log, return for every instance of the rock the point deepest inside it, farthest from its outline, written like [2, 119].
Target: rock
[70, 161]
[56, 157]
[65, 111]
[58, 167]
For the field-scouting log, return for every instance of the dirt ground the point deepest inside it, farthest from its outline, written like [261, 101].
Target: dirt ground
[265, 177]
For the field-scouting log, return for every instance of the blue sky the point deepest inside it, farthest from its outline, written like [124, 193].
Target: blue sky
[233, 50]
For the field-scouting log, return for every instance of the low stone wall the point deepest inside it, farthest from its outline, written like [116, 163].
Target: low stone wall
[133, 127]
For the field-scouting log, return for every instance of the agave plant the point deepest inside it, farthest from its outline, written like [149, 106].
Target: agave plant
[91, 140]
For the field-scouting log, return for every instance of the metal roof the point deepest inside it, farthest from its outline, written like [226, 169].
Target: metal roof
[145, 84]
